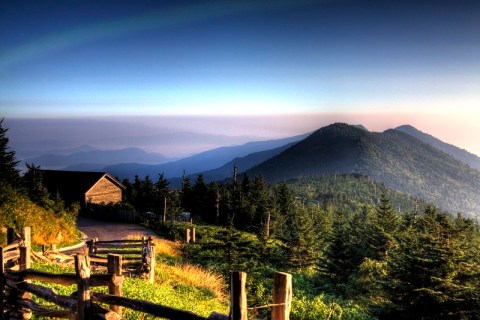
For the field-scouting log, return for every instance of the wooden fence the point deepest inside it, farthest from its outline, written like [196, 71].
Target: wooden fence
[16, 290]
[140, 254]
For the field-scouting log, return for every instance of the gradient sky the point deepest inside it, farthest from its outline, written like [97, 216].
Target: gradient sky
[306, 62]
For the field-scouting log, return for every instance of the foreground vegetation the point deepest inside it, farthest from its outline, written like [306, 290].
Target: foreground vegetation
[177, 284]
[25, 202]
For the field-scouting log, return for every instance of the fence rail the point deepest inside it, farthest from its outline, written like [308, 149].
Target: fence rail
[140, 261]
[16, 291]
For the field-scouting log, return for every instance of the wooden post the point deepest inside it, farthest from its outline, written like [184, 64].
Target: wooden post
[10, 235]
[114, 266]
[282, 296]
[24, 260]
[82, 269]
[187, 236]
[2, 284]
[193, 235]
[27, 236]
[54, 247]
[238, 296]
[151, 274]
[90, 246]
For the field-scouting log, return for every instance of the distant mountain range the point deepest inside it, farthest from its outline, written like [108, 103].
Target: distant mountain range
[91, 159]
[204, 161]
[394, 158]
[403, 158]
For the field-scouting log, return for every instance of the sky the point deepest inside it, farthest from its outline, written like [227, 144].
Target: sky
[244, 69]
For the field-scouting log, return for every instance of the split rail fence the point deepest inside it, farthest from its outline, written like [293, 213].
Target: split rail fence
[16, 291]
[139, 255]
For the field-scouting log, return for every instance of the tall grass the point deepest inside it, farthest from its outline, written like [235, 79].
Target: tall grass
[177, 284]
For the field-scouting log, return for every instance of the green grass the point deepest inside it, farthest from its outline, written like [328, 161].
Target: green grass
[177, 285]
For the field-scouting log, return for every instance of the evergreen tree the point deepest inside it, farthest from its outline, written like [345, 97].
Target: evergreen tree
[9, 174]
[33, 184]
[162, 195]
[186, 194]
[386, 224]
[199, 198]
[336, 264]
[433, 273]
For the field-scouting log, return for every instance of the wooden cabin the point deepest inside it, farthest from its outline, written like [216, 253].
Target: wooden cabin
[83, 187]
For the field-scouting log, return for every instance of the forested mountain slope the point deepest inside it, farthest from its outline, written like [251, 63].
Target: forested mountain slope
[460, 154]
[394, 158]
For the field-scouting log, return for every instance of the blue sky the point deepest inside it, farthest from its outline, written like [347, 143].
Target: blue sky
[415, 61]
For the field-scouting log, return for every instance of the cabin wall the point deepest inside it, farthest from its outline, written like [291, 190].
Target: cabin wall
[104, 191]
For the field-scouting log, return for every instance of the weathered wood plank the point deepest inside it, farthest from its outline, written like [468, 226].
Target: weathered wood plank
[107, 251]
[147, 307]
[119, 241]
[82, 269]
[115, 269]
[11, 246]
[11, 255]
[282, 296]
[238, 296]
[2, 283]
[47, 294]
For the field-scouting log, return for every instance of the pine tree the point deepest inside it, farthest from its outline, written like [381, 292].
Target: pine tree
[162, 196]
[186, 194]
[433, 271]
[386, 224]
[33, 183]
[199, 197]
[9, 174]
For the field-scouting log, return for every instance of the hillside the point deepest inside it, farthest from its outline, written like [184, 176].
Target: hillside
[460, 154]
[394, 158]
[350, 192]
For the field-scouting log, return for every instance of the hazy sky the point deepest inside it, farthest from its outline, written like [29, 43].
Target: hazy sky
[306, 62]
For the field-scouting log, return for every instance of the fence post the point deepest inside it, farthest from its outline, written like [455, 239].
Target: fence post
[25, 248]
[10, 235]
[282, 296]
[238, 296]
[89, 246]
[115, 288]
[193, 235]
[2, 284]
[151, 274]
[187, 235]
[82, 269]
[54, 247]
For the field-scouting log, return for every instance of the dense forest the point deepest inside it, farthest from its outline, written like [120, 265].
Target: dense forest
[348, 241]
[357, 249]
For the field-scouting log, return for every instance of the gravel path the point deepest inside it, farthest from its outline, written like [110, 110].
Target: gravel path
[107, 230]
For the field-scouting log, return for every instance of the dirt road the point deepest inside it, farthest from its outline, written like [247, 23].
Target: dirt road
[106, 230]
